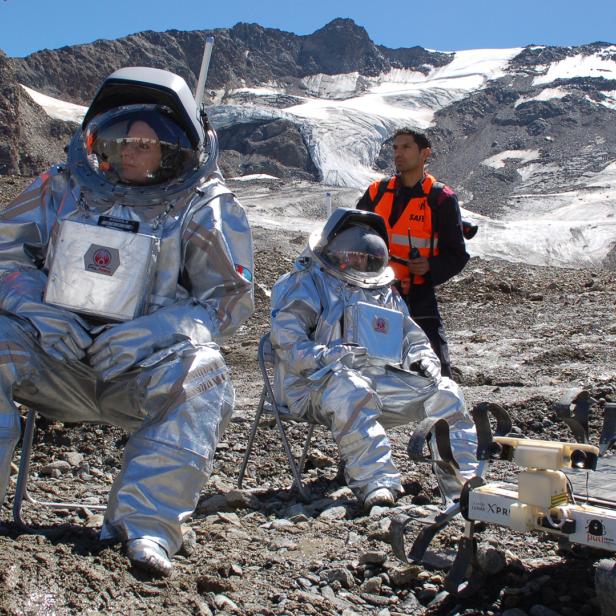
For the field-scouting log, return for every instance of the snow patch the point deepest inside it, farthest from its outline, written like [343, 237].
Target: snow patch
[403, 75]
[223, 116]
[332, 86]
[534, 172]
[609, 101]
[263, 91]
[56, 108]
[569, 229]
[544, 95]
[253, 176]
[498, 160]
[598, 64]
[560, 243]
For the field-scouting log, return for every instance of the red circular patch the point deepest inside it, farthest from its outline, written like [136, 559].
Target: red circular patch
[102, 257]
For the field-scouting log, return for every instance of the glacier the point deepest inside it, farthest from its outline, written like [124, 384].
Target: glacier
[344, 119]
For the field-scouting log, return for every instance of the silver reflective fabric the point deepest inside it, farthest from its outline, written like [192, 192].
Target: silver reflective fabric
[377, 329]
[308, 308]
[102, 272]
[173, 392]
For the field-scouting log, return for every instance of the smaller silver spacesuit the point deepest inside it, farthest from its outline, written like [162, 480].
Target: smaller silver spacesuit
[349, 357]
[118, 272]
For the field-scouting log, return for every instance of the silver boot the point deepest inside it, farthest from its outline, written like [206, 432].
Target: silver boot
[149, 556]
[381, 496]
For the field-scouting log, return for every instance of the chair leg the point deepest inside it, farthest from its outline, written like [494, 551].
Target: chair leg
[251, 438]
[297, 480]
[21, 487]
[306, 447]
[24, 468]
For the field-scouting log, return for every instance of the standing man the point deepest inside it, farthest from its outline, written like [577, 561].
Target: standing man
[426, 243]
[119, 272]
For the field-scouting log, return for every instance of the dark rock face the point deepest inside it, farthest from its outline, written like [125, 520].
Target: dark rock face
[533, 56]
[29, 140]
[538, 110]
[9, 109]
[341, 47]
[610, 260]
[75, 73]
[537, 56]
[417, 58]
[276, 148]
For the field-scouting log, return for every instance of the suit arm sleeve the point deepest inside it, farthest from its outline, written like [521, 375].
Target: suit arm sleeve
[365, 203]
[295, 314]
[218, 266]
[25, 228]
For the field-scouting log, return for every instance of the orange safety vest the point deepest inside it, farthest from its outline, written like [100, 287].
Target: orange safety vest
[416, 220]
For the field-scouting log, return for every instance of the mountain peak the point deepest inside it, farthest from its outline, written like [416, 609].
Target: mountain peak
[342, 46]
[341, 24]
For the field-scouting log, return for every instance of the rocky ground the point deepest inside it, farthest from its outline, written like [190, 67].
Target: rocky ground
[519, 335]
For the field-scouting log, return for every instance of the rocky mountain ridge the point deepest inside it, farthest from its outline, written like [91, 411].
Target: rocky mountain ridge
[245, 55]
[546, 144]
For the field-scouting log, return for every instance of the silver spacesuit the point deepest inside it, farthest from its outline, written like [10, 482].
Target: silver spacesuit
[349, 356]
[118, 271]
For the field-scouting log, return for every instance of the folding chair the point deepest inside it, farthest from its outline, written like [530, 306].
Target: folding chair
[268, 404]
[21, 487]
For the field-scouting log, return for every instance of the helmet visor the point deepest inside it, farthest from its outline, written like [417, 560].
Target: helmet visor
[138, 145]
[358, 251]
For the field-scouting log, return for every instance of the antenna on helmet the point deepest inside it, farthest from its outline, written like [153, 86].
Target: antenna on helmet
[205, 64]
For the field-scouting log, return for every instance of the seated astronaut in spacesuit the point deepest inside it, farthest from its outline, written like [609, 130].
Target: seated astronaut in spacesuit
[118, 272]
[348, 356]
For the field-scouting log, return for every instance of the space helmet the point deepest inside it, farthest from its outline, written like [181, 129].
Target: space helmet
[143, 137]
[354, 247]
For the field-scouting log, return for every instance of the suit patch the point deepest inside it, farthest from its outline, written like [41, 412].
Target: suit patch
[243, 271]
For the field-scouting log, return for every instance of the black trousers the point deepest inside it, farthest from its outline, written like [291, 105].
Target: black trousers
[433, 328]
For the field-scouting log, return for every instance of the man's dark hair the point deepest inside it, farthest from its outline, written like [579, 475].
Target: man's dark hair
[419, 138]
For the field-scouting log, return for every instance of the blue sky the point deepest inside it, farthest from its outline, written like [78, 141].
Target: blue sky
[30, 25]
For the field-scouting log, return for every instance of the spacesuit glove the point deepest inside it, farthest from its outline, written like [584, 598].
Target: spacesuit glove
[62, 334]
[123, 346]
[348, 355]
[430, 368]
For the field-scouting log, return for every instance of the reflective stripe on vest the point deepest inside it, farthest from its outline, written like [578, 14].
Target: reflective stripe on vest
[416, 219]
[415, 241]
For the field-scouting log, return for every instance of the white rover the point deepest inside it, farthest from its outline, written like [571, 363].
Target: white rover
[557, 493]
